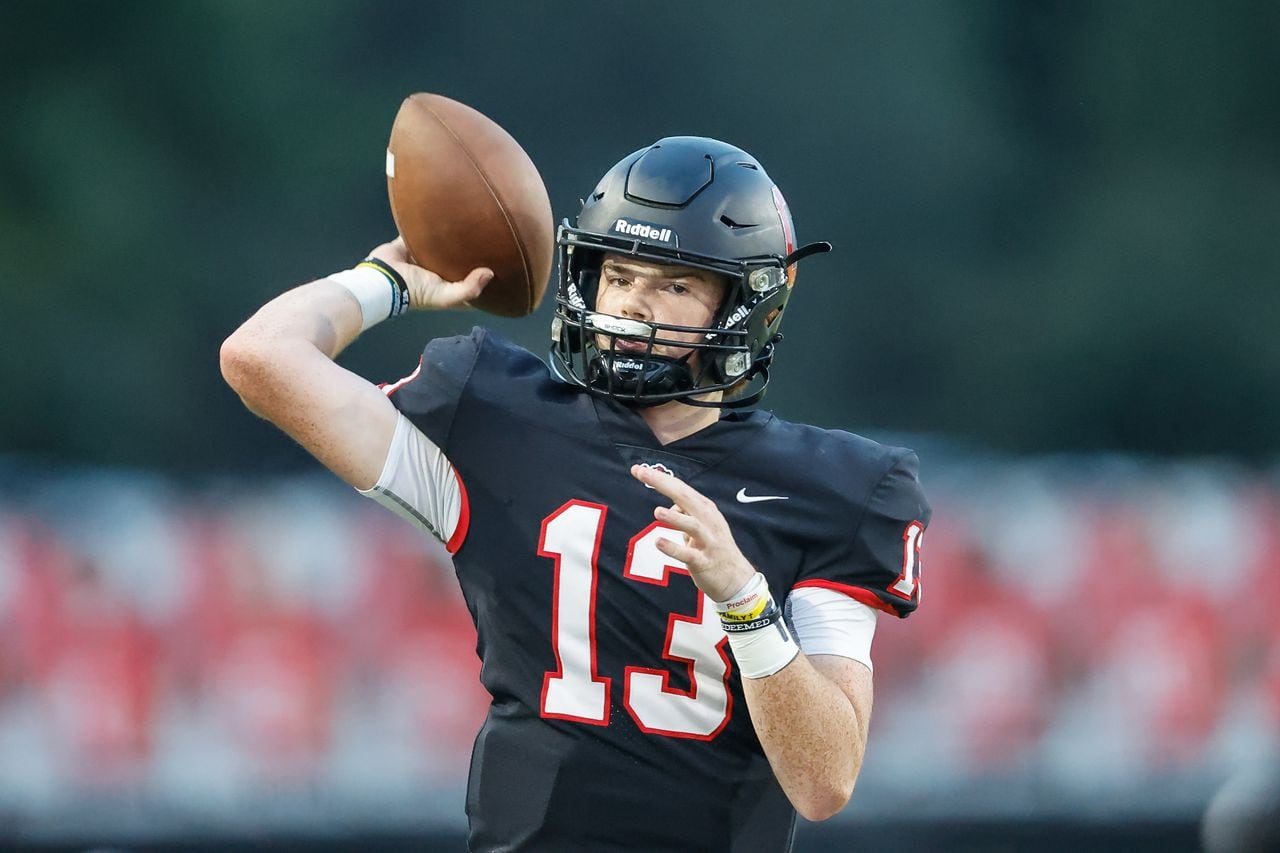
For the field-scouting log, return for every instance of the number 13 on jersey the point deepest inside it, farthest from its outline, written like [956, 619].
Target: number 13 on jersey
[575, 690]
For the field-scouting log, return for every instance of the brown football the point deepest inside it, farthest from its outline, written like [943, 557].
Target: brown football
[464, 194]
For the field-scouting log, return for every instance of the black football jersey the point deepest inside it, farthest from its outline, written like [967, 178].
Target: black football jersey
[618, 720]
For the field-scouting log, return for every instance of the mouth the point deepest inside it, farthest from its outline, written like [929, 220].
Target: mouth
[624, 345]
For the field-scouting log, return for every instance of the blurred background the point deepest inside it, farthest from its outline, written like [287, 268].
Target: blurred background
[1057, 257]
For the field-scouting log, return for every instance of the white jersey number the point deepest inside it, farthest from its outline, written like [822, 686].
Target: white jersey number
[575, 690]
[908, 583]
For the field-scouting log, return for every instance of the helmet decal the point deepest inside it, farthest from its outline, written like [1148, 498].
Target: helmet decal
[788, 230]
[646, 231]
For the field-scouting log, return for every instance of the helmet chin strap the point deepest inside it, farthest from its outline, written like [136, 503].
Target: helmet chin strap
[673, 373]
[663, 376]
[760, 373]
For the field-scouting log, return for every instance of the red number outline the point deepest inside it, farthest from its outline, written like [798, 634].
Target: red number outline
[690, 663]
[558, 672]
[912, 539]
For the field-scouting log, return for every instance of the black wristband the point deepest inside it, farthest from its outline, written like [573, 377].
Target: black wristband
[400, 290]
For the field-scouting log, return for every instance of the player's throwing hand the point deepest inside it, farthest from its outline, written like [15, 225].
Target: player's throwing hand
[426, 289]
[716, 565]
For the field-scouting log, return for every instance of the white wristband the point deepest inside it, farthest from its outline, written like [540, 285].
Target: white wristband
[758, 635]
[765, 651]
[748, 602]
[379, 293]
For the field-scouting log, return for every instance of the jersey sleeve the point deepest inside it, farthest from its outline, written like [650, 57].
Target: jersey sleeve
[879, 563]
[429, 396]
[418, 482]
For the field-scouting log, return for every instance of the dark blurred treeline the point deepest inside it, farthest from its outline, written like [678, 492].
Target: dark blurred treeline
[1057, 224]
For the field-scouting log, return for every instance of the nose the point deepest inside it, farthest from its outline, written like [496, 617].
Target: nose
[635, 305]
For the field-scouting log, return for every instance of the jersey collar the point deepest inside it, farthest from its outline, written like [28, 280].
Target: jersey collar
[633, 440]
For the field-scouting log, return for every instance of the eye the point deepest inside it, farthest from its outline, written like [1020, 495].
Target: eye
[678, 288]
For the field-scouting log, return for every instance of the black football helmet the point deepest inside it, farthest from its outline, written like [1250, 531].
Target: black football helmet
[695, 202]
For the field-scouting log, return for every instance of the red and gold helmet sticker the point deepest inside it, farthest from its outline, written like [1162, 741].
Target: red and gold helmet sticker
[788, 230]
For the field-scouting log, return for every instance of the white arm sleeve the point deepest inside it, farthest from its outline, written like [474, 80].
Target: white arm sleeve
[418, 483]
[827, 622]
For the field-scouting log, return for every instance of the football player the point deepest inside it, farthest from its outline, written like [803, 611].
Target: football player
[674, 595]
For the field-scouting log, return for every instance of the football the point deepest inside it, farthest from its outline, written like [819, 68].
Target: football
[464, 194]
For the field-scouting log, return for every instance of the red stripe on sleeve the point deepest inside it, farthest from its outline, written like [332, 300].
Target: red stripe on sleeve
[464, 518]
[857, 593]
[390, 388]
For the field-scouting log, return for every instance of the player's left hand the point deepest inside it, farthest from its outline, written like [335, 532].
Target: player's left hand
[716, 565]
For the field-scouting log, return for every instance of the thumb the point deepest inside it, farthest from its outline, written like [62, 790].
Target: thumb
[428, 290]
[475, 282]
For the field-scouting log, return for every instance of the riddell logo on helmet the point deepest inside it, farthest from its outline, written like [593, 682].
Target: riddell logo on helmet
[737, 316]
[646, 231]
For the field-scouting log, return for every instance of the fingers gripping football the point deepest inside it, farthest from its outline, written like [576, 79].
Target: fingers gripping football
[426, 289]
[708, 549]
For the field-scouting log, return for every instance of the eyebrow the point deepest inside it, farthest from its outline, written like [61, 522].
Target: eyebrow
[678, 273]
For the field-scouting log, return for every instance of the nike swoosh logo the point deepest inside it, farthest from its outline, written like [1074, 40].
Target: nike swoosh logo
[744, 498]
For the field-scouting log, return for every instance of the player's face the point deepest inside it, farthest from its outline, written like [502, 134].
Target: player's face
[658, 293]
